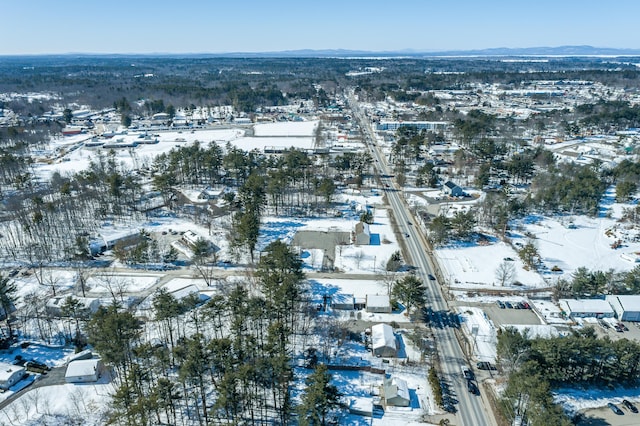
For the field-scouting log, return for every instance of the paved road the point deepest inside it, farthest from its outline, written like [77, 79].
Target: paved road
[472, 409]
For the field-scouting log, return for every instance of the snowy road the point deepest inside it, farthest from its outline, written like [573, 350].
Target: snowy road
[472, 409]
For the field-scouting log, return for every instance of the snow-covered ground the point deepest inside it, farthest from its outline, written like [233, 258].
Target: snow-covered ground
[474, 266]
[482, 331]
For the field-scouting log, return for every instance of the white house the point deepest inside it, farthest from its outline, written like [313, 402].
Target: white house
[383, 341]
[378, 303]
[395, 391]
[585, 308]
[627, 307]
[84, 371]
[10, 375]
[362, 234]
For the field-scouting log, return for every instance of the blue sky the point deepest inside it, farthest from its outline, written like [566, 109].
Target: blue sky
[199, 26]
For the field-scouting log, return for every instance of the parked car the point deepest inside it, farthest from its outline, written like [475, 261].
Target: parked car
[500, 304]
[615, 408]
[526, 305]
[508, 305]
[36, 367]
[485, 365]
[629, 405]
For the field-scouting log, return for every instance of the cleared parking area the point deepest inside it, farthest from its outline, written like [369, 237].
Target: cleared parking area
[511, 316]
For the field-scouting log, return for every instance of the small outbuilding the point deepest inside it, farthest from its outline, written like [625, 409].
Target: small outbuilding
[395, 392]
[10, 375]
[343, 302]
[378, 303]
[84, 371]
[586, 308]
[383, 341]
[626, 307]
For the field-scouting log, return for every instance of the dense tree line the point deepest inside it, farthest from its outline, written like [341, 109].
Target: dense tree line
[536, 366]
[228, 360]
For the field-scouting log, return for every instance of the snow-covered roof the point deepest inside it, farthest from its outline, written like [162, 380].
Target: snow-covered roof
[628, 302]
[594, 306]
[396, 387]
[378, 300]
[84, 367]
[8, 370]
[382, 336]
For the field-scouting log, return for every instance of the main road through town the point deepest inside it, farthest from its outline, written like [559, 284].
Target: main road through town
[471, 409]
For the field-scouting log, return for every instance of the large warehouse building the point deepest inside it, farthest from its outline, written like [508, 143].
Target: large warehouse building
[584, 308]
[627, 307]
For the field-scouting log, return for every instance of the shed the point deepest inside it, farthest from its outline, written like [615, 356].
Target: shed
[452, 189]
[378, 303]
[362, 235]
[587, 308]
[395, 391]
[83, 371]
[341, 301]
[383, 341]
[10, 375]
[626, 307]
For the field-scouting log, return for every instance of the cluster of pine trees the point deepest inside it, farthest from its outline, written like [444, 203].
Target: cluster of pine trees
[227, 361]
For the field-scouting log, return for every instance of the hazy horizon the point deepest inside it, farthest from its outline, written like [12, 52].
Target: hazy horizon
[40, 27]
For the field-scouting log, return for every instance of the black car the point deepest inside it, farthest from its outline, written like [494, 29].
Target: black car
[431, 277]
[615, 408]
[485, 365]
[629, 405]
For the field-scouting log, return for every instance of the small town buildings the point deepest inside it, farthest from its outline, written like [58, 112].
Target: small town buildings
[84, 371]
[10, 375]
[383, 341]
[362, 234]
[378, 303]
[586, 308]
[395, 392]
[626, 307]
[452, 190]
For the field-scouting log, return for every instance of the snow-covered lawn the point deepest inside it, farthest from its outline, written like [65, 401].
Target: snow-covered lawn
[473, 265]
[83, 403]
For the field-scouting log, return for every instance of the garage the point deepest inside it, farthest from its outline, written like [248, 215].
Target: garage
[627, 307]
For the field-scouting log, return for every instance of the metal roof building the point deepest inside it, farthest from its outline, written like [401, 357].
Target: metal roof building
[627, 307]
[585, 308]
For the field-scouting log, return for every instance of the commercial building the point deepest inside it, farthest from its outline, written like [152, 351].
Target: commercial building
[627, 307]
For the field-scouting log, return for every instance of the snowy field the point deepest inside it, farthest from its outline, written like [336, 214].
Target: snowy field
[474, 266]
[565, 242]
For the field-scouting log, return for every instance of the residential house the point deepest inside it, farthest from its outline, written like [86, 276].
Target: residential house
[383, 341]
[10, 375]
[395, 392]
[362, 234]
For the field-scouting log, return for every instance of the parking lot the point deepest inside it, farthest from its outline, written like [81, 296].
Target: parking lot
[511, 316]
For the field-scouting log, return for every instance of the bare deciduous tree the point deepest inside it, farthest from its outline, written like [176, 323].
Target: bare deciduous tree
[505, 273]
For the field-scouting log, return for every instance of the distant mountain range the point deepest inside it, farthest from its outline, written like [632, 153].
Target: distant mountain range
[500, 51]
[568, 51]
